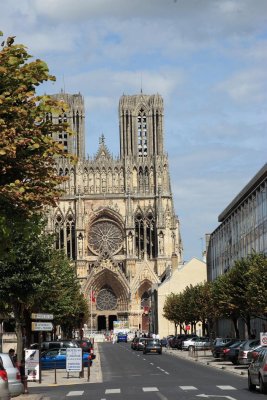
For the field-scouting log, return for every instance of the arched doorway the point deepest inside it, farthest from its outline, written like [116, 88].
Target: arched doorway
[101, 323]
[111, 319]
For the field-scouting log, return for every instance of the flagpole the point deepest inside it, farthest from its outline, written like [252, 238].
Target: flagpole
[91, 297]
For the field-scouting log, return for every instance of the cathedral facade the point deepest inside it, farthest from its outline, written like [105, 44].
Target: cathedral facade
[116, 221]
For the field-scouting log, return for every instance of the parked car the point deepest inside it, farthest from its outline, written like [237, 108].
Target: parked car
[189, 342]
[14, 379]
[220, 344]
[202, 343]
[122, 337]
[257, 372]
[4, 392]
[55, 344]
[134, 343]
[140, 343]
[86, 346]
[152, 346]
[230, 353]
[247, 346]
[176, 341]
[164, 342]
[56, 358]
[253, 354]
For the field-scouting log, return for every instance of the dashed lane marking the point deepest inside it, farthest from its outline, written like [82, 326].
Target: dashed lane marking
[225, 387]
[110, 391]
[188, 387]
[75, 393]
[150, 389]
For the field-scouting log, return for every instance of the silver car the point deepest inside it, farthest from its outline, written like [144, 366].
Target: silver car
[14, 379]
[4, 392]
[257, 372]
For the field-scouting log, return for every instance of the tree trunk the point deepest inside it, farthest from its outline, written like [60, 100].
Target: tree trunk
[18, 310]
[237, 334]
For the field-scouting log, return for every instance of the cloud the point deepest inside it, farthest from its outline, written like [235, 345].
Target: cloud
[246, 86]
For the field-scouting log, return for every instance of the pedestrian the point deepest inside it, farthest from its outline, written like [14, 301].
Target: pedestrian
[13, 356]
[114, 338]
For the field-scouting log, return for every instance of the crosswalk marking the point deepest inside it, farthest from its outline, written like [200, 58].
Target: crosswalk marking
[150, 389]
[226, 387]
[188, 387]
[76, 393]
[109, 391]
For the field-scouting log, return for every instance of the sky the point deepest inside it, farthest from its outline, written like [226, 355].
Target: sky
[207, 58]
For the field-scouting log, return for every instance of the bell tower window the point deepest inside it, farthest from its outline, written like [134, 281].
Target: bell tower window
[142, 134]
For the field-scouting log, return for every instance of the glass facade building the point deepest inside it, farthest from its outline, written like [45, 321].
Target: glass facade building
[242, 229]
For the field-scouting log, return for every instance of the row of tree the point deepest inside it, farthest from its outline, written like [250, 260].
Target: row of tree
[240, 293]
[34, 276]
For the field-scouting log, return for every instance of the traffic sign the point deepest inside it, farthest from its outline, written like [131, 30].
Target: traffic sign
[263, 338]
[43, 316]
[42, 326]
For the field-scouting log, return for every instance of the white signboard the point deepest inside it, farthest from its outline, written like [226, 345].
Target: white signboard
[263, 338]
[42, 326]
[74, 359]
[43, 316]
[32, 366]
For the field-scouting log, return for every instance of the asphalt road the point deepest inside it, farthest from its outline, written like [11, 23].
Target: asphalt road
[130, 375]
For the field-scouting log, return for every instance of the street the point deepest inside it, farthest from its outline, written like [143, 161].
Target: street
[129, 375]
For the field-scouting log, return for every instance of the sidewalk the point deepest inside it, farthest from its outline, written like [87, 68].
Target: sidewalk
[49, 379]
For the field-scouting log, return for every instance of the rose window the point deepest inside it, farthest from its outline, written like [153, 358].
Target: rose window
[105, 236]
[106, 300]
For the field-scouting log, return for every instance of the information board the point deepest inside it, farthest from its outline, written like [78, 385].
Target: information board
[32, 366]
[74, 359]
[42, 326]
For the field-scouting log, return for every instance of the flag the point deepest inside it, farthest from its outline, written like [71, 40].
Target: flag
[92, 296]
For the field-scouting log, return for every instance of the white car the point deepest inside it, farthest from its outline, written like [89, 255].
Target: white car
[189, 342]
[14, 379]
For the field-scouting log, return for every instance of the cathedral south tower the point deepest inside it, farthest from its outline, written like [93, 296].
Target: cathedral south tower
[117, 220]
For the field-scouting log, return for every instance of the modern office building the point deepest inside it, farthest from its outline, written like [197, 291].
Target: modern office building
[242, 229]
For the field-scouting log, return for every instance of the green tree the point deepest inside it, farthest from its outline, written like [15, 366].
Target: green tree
[28, 180]
[172, 309]
[38, 278]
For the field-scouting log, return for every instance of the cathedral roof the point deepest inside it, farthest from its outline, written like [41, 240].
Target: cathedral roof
[103, 151]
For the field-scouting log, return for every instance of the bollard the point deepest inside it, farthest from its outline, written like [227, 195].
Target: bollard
[89, 368]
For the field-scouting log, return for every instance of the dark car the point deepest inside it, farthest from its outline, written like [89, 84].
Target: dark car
[220, 344]
[164, 342]
[257, 372]
[55, 344]
[86, 346]
[134, 343]
[152, 346]
[230, 353]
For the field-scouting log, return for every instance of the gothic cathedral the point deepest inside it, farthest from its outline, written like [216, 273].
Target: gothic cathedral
[116, 220]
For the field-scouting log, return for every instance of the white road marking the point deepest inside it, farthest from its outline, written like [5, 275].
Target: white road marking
[225, 387]
[109, 391]
[150, 389]
[188, 387]
[76, 393]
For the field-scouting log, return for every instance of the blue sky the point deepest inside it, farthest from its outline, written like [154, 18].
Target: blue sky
[207, 58]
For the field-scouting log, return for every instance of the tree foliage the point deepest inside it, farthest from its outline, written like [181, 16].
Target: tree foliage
[28, 180]
[241, 293]
[38, 278]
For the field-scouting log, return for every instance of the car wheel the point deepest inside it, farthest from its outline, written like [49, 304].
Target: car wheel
[263, 388]
[251, 386]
